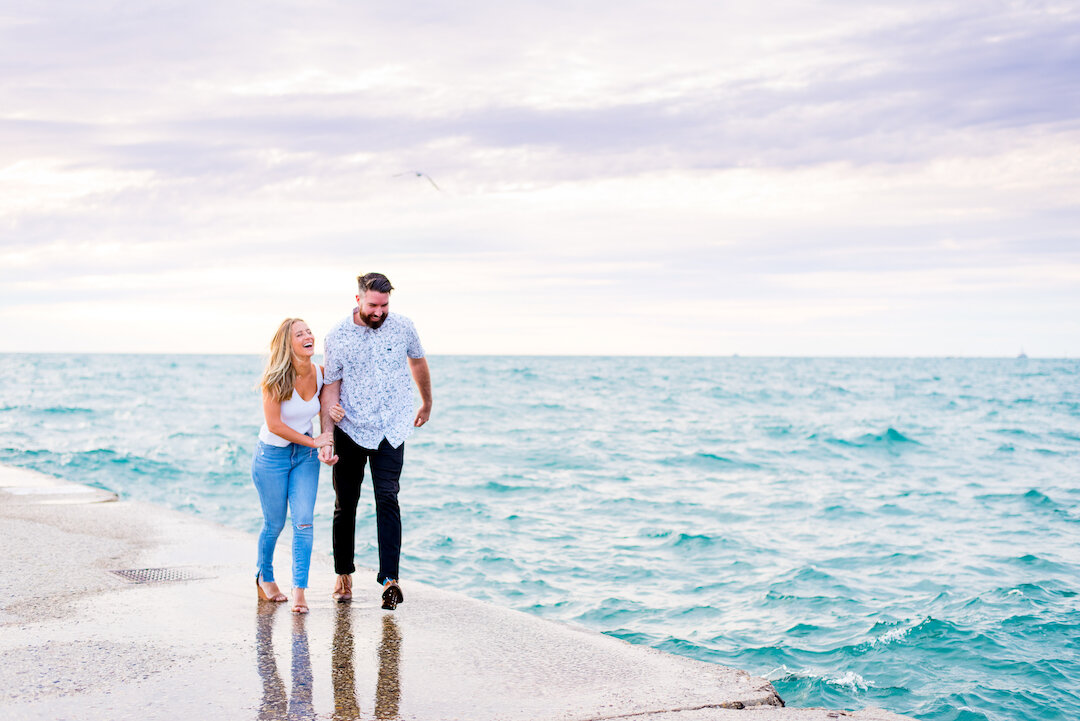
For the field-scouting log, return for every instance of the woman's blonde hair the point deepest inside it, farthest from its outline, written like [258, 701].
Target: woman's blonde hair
[279, 378]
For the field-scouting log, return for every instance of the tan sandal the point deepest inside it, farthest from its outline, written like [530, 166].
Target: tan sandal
[342, 589]
[278, 597]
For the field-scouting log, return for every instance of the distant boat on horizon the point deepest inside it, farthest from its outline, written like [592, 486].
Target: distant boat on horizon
[1022, 356]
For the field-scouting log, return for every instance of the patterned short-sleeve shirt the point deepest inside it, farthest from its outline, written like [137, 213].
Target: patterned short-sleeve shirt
[376, 385]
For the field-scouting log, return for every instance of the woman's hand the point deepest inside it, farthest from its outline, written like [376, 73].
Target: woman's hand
[337, 413]
[326, 455]
[324, 439]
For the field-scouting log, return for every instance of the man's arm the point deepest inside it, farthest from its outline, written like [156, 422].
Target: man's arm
[328, 398]
[419, 369]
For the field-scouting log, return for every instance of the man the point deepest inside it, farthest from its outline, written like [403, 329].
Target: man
[369, 357]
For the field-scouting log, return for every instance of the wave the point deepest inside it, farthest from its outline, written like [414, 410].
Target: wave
[63, 410]
[890, 436]
[546, 407]
[828, 391]
[1032, 498]
[1038, 498]
[106, 460]
[1019, 432]
[636, 637]
[1031, 561]
[890, 634]
[703, 459]
[891, 439]
[848, 680]
[497, 487]
[693, 542]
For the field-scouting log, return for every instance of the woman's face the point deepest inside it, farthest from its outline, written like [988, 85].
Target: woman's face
[303, 341]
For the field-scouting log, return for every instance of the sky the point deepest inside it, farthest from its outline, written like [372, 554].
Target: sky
[681, 178]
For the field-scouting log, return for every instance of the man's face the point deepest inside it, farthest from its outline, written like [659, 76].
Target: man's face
[374, 307]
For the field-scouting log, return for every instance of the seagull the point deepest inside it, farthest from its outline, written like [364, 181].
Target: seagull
[418, 174]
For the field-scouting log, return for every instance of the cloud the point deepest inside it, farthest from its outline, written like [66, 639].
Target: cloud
[791, 172]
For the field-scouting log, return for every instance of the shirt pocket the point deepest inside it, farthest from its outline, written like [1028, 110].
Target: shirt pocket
[389, 355]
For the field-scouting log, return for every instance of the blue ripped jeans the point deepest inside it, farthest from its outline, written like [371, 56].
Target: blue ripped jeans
[286, 478]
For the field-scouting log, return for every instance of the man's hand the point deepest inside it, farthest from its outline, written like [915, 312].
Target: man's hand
[327, 456]
[422, 415]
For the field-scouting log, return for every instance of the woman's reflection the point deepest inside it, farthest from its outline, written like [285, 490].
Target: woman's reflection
[274, 700]
[275, 703]
[300, 706]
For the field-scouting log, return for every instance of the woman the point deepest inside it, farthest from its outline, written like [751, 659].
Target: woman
[285, 467]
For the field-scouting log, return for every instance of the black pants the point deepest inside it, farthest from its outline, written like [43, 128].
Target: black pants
[386, 464]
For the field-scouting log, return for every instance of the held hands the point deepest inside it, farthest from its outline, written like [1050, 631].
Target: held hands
[326, 455]
[326, 449]
[422, 415]
[325, 443]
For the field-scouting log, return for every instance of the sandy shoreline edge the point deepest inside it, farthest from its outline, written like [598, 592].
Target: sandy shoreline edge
[81, 641]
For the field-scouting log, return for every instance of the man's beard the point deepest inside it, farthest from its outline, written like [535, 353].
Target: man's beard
[368, 321]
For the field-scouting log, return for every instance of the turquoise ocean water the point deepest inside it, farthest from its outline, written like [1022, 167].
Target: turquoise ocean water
[903, 533]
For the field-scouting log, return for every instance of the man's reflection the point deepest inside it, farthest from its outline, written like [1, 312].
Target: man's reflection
[388, 686]
[341, 667]
[275, 703]
[388, 683]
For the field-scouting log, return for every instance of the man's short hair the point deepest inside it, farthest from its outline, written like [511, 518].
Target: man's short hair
[373, 281]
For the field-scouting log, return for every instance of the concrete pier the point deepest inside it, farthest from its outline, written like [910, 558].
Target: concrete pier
[178, 632]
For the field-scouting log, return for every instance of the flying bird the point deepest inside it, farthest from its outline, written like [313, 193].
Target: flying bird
[418, 174]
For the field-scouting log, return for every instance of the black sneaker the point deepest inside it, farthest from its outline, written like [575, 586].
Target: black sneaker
[391, 595]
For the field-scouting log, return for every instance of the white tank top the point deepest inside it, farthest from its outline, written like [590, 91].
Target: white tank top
[296, 413]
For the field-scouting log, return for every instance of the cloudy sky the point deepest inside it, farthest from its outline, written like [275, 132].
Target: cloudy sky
[780, 178]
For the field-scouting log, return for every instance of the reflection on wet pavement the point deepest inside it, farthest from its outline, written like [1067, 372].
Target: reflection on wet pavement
[276, 704]
[388, 687]
[300, 706]
[274, 699]
[342, 673]
[297, 704]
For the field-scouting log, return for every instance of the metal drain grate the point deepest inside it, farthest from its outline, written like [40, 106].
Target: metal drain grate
[160, 575]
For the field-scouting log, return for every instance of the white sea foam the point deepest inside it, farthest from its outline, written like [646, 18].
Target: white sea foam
[895, 634]
[847, 679]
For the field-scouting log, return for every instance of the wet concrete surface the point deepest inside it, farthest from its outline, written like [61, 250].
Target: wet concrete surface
[80, 642]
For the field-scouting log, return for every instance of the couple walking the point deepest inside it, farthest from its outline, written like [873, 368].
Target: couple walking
[364, 399]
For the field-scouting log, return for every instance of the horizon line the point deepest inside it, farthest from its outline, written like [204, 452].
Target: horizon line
[577, 355]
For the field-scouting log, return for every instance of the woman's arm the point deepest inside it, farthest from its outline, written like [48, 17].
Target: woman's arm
[272, 414]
